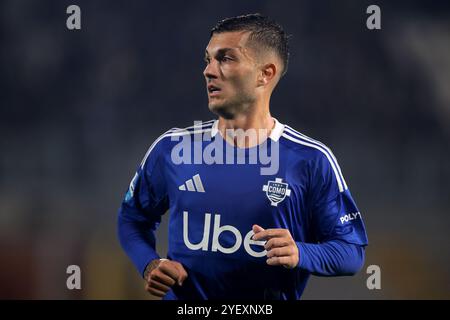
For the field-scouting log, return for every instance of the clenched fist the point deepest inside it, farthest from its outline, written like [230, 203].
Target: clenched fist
[162, 274]
[281, 247]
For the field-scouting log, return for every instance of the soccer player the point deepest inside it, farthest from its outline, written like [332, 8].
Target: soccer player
[235, 230]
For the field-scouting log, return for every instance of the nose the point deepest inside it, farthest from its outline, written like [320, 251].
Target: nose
[211, 71]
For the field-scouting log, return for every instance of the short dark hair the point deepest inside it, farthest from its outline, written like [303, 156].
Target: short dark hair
[263, 31]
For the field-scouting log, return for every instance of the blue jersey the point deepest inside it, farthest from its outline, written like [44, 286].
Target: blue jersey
[214, 204]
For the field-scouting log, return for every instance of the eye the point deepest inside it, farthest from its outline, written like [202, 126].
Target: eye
[226, 58]
[206, 60]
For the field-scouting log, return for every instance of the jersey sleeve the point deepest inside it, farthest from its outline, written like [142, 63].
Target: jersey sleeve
[334, 213]
[140, 213]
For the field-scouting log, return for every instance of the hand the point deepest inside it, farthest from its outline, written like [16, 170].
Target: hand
[162, 274]
[281, 247]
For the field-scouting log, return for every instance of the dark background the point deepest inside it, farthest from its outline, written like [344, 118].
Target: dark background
[78, 110]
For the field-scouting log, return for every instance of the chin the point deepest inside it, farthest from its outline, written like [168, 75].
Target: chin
[222, 110]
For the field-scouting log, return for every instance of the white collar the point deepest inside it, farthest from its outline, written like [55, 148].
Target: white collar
[276, 133]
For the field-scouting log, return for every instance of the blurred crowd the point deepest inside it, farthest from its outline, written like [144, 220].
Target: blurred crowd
[78, 110]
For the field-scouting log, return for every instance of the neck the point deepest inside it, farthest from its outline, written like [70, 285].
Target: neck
[249, 129]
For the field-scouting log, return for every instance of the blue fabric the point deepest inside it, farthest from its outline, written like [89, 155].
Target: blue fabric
[210, 232]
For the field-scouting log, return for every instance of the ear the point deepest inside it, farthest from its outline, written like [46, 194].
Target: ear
[267, 74]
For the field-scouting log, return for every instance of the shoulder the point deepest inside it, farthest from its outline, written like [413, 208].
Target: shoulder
[319, 155]
[301, 143]
[163, 143]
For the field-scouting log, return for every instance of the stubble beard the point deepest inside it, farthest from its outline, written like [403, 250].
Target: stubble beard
[229, 110]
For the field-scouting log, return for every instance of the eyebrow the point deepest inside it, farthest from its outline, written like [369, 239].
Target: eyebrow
[222, 50]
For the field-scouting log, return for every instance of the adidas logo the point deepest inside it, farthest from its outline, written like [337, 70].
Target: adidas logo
[196, 185]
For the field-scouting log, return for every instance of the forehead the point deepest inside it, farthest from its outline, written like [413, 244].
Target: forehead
[231, 40]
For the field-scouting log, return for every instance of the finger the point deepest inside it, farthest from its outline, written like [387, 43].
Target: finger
[158, 286]
[169, 269]
[270, 233]
[256, 228]
[280, 252]
[279, 261]
[157, 275]
[277, 242]
[154, 291]
[182, 273]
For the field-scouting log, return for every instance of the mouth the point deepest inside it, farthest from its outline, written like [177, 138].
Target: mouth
[213, 90]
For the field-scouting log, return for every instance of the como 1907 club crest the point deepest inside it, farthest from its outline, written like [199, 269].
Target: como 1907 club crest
[276, 191]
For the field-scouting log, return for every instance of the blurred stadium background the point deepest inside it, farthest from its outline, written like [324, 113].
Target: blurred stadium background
[78, 110]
